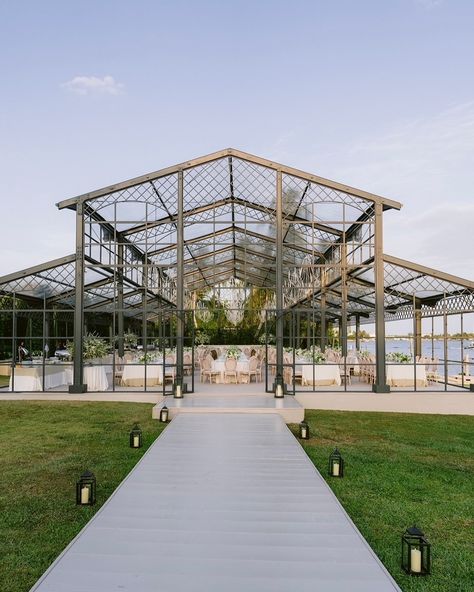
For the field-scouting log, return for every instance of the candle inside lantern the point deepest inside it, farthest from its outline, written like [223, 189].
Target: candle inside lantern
[178, 391]
[335, 469]
[136, 441]
[85, 494]
[415, 561]
[279, 390]
[303, 432]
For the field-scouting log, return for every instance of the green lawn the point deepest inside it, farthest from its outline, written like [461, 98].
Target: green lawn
[400, 470]
[403, 469]
[43, 449]
[4, 381]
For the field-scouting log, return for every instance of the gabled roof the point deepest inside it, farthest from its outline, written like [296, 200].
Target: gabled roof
[245, 156]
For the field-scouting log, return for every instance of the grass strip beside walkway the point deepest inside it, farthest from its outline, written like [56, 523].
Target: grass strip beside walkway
[405, 469]
[44, 447]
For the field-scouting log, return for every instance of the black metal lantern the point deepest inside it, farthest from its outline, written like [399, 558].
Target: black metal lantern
[179, 387]
[85, 489]
[136, 437]
[304, 431]
[279, 387]
[336, 464]
[416, 552]
[164, 414]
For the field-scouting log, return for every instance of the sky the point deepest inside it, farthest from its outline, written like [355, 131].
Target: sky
[378, 94]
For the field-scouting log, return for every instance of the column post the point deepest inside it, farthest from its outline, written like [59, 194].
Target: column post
[279, 382]
[380, 385]
[78, 385]
[180, 287]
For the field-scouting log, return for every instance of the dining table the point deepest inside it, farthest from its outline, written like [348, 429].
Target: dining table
[319, 374]
[404, 375]
[29, 376]
[134, 374]
[219, 366]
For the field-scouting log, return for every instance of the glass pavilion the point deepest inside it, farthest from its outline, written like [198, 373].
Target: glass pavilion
[147, 247]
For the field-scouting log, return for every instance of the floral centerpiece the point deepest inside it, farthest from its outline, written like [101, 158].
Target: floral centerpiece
[398, 358]
[130, 340]
[93, 347]
[146, 358]
[233, 352]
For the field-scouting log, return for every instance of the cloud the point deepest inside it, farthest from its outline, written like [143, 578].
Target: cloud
[429, 4]
[93, 85]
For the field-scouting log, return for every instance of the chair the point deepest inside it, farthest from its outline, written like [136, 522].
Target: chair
[252, 371]
[118, 369]
[230, 370]
[207, 371]
[170, 370]
[187, 364]
[345, 372]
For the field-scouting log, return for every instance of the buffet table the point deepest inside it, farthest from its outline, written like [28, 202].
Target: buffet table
[404, 375]
[134, 375]
[30, 377]
[324, 375]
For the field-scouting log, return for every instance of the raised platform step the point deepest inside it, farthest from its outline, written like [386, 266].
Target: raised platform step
[288, 408]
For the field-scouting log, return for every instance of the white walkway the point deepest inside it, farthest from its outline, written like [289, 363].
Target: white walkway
[220, 502]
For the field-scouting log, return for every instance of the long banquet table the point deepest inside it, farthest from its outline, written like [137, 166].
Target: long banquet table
[219, 366]
[30, 377]
[134, 374]
[320, 375]
[404, 375]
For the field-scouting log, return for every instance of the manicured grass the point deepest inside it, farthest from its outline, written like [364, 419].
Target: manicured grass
[4, 381]
[44, 447]
[405, 469]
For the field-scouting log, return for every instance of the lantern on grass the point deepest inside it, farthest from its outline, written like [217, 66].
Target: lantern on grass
[416, 552]
[164, 414]
[336, 464]
[85, 489]
[304, 431]
[136, 437]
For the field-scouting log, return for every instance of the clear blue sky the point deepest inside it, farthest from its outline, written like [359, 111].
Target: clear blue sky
[378, 94]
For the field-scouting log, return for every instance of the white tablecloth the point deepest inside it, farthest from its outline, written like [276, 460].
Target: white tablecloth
[324, 374]
[135, 375]
[30, 377]
[95, 378]
[219, 366]
[404, 375]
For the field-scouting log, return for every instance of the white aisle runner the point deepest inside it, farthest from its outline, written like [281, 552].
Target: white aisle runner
[220, 502]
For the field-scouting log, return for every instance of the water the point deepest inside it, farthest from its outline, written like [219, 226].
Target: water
[405, 346]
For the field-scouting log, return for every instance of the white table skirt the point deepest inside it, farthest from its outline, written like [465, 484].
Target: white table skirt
[219, 366]
[404, 375]
[30, 377]
[96, 379]
[324, 374]
[135, 375]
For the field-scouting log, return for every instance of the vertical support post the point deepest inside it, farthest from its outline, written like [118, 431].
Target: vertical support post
[180, 281]
[323, 323]
[417, 314]
[279, 280]
[298, 329]
[357, 329]
[78, 385]
[308, 330]
[343, 325]
[445, 344]
[380, 385]
[120, 329]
